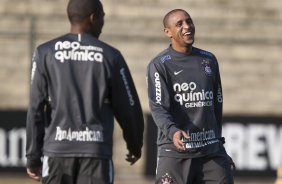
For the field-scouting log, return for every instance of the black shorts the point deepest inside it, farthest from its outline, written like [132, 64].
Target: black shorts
[215, 169]
[77, 170]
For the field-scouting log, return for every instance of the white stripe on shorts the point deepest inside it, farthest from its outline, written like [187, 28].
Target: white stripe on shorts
[158, 158]
[45, 169]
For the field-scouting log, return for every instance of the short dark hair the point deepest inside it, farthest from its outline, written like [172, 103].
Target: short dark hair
[167, 16]
[78, 10]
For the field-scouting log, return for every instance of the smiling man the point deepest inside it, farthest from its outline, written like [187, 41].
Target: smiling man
[185, 97]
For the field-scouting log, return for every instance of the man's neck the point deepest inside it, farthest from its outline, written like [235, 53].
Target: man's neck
[185, 50]
[75, 29]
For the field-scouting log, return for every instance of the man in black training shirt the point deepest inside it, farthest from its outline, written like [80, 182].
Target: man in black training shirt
[78, 85]
[185, 98]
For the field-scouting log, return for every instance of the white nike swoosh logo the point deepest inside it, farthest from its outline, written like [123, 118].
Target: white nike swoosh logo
[176, 73]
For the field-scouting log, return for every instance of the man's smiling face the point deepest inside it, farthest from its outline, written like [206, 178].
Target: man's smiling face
[180, 29]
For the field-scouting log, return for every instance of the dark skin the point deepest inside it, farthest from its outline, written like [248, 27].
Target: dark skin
[91, 25]
[34, 173]
[179, 27]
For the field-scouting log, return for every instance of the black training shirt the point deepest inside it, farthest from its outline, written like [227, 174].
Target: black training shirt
[78, 85]
[185, 94]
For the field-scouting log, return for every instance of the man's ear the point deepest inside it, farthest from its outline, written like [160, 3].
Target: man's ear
[92, 18]
[167, 32]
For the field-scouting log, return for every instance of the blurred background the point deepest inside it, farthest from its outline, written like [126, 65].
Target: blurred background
[245, 35]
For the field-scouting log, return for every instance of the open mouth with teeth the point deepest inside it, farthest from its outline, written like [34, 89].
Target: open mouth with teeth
[188, 37]
[189, 33]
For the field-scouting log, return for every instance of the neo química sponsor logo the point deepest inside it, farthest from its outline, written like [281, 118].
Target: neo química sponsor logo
[73, 51]
[188, 95]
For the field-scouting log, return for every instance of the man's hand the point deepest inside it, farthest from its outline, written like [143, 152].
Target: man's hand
[177, 139]
[34, 173]
[131, 158]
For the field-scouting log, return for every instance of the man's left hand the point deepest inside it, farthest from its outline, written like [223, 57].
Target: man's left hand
[131, 158]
